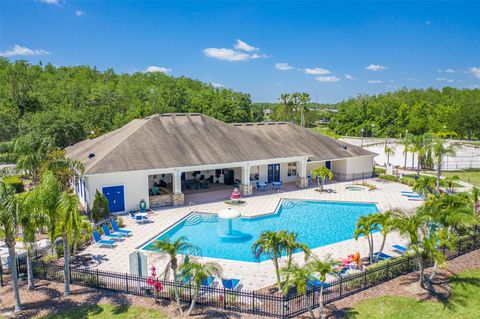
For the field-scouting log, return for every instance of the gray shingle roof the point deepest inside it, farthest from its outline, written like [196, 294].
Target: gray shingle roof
[191, 139]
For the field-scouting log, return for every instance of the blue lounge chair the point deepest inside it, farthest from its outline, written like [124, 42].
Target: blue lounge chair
[208, 282]
[102, 242]
[141, 219]
[400, 249]
[315, 282]
[132, 214]
[343, 271]
[108, 234]
[381, 256]
[232, 284]
[117, 229]
[407, 192]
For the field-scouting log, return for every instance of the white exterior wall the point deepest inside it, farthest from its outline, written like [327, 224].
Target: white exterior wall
[313, 165]
[360, 165]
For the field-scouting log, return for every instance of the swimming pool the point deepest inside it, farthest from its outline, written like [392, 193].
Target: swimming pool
[316, 223]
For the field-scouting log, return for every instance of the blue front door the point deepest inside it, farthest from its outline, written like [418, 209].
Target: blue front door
[328, 164]
[273, 173]
[115, 198]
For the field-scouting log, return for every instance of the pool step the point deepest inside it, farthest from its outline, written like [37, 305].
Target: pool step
[193, 219]
[210, 218]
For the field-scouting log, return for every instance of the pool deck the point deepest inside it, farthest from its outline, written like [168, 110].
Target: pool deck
[254, 275]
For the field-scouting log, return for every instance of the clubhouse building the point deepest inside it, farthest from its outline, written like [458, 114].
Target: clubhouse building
[165, 158]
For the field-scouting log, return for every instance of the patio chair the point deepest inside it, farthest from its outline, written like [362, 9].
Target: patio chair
[102, 242]
[381, 256]
[141, 219]
[232, 284]
[402, 250]
[313, 282]
[132, 214]
[117, 229]
[208, 282]
[108, 234]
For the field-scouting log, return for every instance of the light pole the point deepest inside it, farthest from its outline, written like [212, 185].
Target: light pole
[362, 138]
[373, 126]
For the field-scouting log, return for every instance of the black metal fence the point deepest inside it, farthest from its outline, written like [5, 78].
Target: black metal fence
[250, 302]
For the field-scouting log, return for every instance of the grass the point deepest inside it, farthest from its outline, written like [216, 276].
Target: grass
[463, 303]
[108, 311]
[325, 130]
[471, 176]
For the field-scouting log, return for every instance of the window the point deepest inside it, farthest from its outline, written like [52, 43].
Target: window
[292, 169]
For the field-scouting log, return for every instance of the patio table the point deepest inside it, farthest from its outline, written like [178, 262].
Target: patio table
[142, 214]
[276, 185]
[263, 186]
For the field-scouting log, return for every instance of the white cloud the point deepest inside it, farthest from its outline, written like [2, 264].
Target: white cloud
[50, 1]
[23, 51]
[350, 77]
[374, 81]
[446, 70]
[392, 86]
[231, 55]
[441, 79]
[79, 13]
[428, 22]
[450, 81]
[283, 66]
[375, 67]
[240, 45]
[161, 69]
[316, 71]
[216, 85]
[475, 71]
[327, 79]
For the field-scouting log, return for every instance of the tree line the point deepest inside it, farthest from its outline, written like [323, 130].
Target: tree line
[72, 103]
[449, 112]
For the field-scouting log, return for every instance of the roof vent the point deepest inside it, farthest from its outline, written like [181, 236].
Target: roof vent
[91, 155]
[344, 147]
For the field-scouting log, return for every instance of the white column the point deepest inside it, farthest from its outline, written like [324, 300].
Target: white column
[246, 174]
[177, 181]
[302, 173]
[246, 187]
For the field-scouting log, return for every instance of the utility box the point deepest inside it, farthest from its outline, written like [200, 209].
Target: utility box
[138, 264]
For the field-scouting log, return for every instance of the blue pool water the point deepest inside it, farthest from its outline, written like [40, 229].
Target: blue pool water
[316, 223]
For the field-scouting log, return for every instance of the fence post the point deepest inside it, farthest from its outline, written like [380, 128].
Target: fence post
[388, 268]
[44, 270]
[365, 278]
[341, 286]
[1, 274]
[459, 247]
[126, 280]
[97, 279]
[253, 302]
[224, 298]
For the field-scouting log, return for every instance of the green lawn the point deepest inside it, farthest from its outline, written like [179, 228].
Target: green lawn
[325, 130]
[464, 303]
[108, 311]
[471, 176]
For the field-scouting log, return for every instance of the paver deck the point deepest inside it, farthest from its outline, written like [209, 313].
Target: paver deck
[254, 275]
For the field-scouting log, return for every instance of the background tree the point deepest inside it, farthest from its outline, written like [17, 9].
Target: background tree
[304, 99]
[440, 150]
[322, 268]
[100, 210]
[297, 278]
[366, 226]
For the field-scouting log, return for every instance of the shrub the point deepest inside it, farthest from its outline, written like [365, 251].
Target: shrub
[15, 182]
[120, 222]
[407, 181]
[49, 258]
[390, 178]
[100, 209]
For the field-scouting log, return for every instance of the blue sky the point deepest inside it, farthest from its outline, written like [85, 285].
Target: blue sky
[332, 50]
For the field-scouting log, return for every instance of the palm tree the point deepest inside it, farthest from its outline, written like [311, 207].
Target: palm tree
[30, 218]
[424, 186]
[321, 173]
[304, 99]
[366, 226]
[291, 245]
[8, 230]
[407, 147]
[270, 243]
[294, 102]
[285, 102]
[389, 150]
[322, 268]
[68, 205]
[384, 222]
[440, 151]
[198, 272]
[297, 278]
[172, 249]
[413, 226]
[45, 196]
[450, 181]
